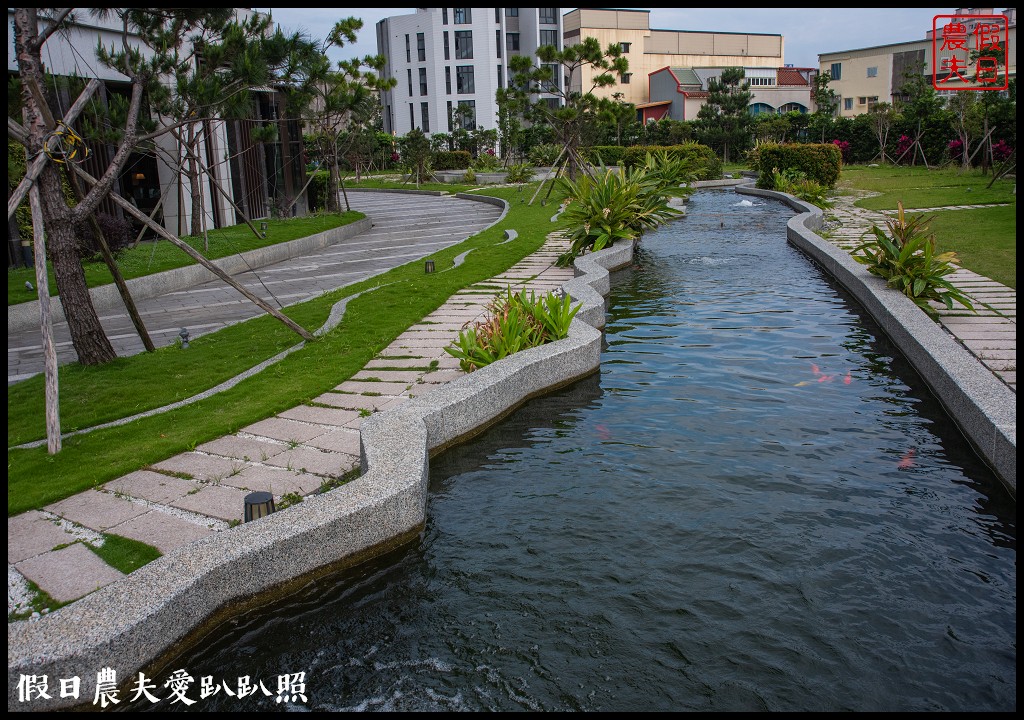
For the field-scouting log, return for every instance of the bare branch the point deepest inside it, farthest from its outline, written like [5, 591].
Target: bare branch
[55, 24]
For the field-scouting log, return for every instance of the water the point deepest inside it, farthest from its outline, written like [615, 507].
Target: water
[755, 505]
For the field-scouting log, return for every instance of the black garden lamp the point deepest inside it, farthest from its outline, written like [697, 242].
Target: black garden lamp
[258, 504]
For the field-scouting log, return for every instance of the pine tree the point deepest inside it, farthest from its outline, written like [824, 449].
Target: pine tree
[725, 119]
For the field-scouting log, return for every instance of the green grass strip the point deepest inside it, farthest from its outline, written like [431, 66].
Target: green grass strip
[985, 240]
[149, 258]
[372, 321]
[123, 553]
[919, 187]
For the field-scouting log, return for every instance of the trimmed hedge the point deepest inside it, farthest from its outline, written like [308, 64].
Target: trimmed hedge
[709, 164]
[318, 190]
[821, 162]
[607, 154]
[451, 160]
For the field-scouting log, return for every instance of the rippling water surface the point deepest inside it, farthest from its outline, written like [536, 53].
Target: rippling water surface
[755, 505]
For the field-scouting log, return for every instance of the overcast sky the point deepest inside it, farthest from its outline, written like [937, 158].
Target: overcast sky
[807, 32]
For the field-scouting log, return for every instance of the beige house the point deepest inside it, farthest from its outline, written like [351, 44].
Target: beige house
[649, 50]
[867, 76]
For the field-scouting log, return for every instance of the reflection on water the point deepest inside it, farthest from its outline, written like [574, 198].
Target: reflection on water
[755, 505]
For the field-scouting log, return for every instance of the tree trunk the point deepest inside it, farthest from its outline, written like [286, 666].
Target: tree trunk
[87, 335]
[192, 165]
[333, 184]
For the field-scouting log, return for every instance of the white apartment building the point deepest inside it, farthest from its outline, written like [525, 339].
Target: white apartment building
[444, 59]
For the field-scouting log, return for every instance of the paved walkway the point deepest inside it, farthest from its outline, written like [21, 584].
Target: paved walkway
[439, 222]
[295, 453]
[990, 334]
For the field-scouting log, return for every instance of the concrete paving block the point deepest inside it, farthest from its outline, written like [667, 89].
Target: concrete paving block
[69, 573]
[354, 402]
[320, 416]
[423, 389]
[242, 448]
[206, 468]
[442, 376]
[318, 462]
[377, 388]
[162, 531]
[33, 533]
[388, 376]
[285, 430]
[96, 510]
[345, 441]
[384, 363]
[153, 486]
[277, 481]
[217, 501]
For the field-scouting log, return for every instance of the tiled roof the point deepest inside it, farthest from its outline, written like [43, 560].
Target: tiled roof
[789, 76]
[696, 94]
[658, 103]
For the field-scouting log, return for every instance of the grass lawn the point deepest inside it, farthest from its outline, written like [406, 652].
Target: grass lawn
[918, 187]
[985, 240]
[371, 322]
[153, 257]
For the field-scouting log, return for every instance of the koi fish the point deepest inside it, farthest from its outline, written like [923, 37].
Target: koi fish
[815, 369]
[603, 432]
[847, 380]
[803, 382]
[826, 378]
[907, 461]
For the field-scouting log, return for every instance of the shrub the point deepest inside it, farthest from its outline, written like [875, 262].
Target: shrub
[517, 322]
[1002, 150]
[844, 149]
[795, 182]
[905, 257]
[820, 163]
[318, 190]
[613, 206]
[118, 232]
[470, 176]
[708, 165]
[544, 155]
[486, 162]
[451, 160]
[519, 173]
[605, 154]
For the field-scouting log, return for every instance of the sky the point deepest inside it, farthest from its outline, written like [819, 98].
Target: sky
[807, 33]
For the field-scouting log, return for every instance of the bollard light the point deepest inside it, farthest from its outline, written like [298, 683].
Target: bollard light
[258, 504]
[428, 267]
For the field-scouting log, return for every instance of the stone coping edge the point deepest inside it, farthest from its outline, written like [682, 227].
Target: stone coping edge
[25, 316]
[134, 621]
[983, 407]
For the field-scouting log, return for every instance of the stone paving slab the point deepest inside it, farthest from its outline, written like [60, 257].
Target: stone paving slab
[319, 415]
[418, 390]
[317, 462]
[382, 388]
[396, 363]
[344, 441]
[69, 573]
[355, 402]
[239, 448]
[403, 376]
[285, 430]
[151, 486]
[96, 510]
[162, 531]
[33, 533]
[217, 501]
[442, 376]
[274, 480]
[207, 468]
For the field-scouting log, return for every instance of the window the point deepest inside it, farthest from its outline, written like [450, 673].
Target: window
[463, 16]
[625, 78]
[447, 50]
[760, 80]
[861, 100]
[444, 16]
[553, 103]
[837, 71]
[421, 47]
[512, 42]
[450, 128]
[848, 104]
[501, 78]
[497, 41]
[448, 80]
[548, 16]
[551, 85]
[624, 47]
[872, 101]
[549, 37]
[463, 44]
[464, 84]
[408, 51]
[511, 12]
[873, 71]
[497, 15]
[425, 116]
[412, 117]
[409, 73]
[467, 109]
[423, 81]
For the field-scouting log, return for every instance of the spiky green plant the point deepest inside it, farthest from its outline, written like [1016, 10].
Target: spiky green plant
[906, 258]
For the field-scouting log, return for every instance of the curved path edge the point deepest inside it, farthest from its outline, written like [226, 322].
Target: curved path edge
[132, 623]
[982, 406]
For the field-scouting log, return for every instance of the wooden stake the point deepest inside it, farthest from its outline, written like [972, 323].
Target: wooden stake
[46, 326]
